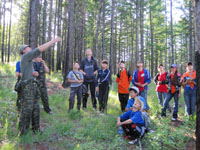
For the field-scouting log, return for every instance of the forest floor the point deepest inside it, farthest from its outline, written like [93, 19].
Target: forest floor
[86, 130]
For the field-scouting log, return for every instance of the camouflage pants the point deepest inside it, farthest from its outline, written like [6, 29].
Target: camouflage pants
[44, 96]
[30, 110]
[18, 102]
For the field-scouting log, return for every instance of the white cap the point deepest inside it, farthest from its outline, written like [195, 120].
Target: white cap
[134, 88]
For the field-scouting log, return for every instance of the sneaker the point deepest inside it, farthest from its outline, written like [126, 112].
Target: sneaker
[50, 113]
[133, 142]
[174, 119]
[102, 114]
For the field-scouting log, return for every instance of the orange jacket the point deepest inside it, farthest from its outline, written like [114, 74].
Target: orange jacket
[123, 82]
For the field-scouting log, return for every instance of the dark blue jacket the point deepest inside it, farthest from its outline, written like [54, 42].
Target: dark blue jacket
[89, 67]
[103, 76]
[147, 77]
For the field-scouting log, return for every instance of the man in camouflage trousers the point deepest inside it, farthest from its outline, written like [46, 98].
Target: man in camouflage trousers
[30, 110]
[41, 67]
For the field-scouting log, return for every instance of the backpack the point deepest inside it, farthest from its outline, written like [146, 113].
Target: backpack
[146, 119]
[127, 72]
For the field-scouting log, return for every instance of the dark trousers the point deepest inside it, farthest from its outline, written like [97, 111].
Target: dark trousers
[132, 130]
[123, 98]
[103, 96]
[75, 91]
[92, 91]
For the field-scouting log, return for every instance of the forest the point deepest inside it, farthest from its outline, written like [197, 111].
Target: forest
[154, 31]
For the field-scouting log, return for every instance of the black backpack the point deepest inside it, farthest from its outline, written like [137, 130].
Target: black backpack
[127, 72]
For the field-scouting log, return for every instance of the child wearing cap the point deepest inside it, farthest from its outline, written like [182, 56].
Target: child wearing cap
[103, 80]
[133, 91]
[173, 81]
[188, 81]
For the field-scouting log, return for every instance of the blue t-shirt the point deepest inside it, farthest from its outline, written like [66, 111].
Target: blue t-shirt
[136, 117]
[18, 67]
[72, 76]
[131, 102]
[188, 87]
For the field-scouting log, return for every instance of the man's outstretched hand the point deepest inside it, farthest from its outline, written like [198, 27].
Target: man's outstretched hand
[56, 39]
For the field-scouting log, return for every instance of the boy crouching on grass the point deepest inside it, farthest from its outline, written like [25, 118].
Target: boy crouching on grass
[103, 80]
[132, 121]
[75, 78]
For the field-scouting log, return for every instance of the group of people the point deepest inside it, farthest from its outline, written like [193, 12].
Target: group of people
[168, 86]
[95, 80]
[31, 70]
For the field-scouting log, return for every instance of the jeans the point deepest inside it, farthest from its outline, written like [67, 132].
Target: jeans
[160, 96]
[190, 102]
[166, 103]
[144, 95]
[92, 91]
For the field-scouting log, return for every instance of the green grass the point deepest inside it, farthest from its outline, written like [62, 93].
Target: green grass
[85, 130]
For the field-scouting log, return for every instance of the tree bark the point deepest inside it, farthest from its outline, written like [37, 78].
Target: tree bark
[44, 26]
[136, 31]
[69, 50]
[111, 36]
[103, 31]
[58, 64]
[172, 36]
[152, 53]
[3, 34]
[33, 34]
[10, 31]
[97, 30]
[166, 35]
[190, 32]
[197, 44]
[49, 33]
[141, 29]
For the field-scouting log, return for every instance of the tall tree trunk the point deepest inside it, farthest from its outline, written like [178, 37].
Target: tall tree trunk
[136, 31]
[152, 53]
[49, 33]
[132, 50]
[197, 41]
[68, 61]
[115, 51]
[3, 34]
[119, 46]
[166, 41]
[44, 25]
[9, 31]
[190, 32]
[55, 25]
[142, 29]
[111, 36]
[58, 64]
[172, 36]
[33, 35]
[97, 30]
[103, 31]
